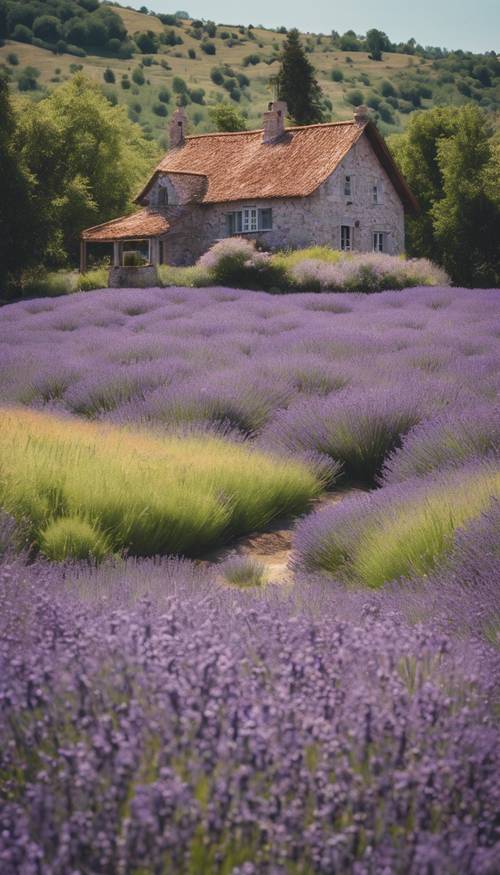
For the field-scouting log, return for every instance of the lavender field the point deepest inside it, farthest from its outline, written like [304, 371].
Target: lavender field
[163, 715]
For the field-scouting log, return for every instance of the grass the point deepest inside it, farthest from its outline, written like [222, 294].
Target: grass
[85, 489]
[190, 277]
[289, 259]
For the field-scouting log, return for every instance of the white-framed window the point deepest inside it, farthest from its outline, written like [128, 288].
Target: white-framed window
[346, 238]
[248, 220]
[348, 187]
[379, 241]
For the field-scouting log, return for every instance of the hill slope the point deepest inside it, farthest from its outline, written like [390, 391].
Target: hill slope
[199, 64]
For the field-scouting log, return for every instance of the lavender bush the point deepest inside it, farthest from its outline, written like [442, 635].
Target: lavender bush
[399, 531]
[236, 262]
[366, 272]
[225, 732]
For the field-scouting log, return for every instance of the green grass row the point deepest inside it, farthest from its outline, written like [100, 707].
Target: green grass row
[83, 490]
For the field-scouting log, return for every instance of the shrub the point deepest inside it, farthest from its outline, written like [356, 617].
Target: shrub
[148, 495]
[73, 538]
[164, 95]
[178, 85]
[125, 83]
[28, 79]
[366, 272]
[197, 95]
[251, 60]
[41, 283]
[147, 43]
[337, 75]
[387, 89]
[236, 262]
[22, 34]
[398, 532]
[138, 76]
[160, 109]
[216, 76]
[191, 54]
[13, 59]
[208, 47]
[355, 97]
[449, 440]
[358, 434]
[243, 571]
[108, 75]
[93, 279]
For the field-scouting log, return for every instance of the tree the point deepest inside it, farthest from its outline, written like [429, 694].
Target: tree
[451, 163]
[226, 118]
[86, 160]
[47, 27]
[18, 218]
[467, 218]
[296, 83]
[108, 75]
[376, 43]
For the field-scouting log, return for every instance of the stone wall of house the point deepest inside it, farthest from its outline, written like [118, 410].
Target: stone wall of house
[300, 222]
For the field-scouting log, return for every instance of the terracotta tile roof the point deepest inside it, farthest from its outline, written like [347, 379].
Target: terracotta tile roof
[145, 223]
[239, 166]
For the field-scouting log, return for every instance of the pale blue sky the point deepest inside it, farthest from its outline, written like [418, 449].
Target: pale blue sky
[464, 24]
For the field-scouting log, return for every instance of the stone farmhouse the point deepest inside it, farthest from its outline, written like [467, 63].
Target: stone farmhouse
[334, 184]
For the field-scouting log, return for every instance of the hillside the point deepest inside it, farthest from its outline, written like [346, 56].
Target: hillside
[153, 64]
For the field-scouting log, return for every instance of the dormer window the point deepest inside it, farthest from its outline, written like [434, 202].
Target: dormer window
[163, 197]
[348, 187]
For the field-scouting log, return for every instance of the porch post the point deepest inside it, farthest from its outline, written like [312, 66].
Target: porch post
[150, 253]
[155, 250]
[83, 256]
[116, 253]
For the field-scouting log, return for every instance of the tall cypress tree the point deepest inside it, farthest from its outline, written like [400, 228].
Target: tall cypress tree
[297, 83]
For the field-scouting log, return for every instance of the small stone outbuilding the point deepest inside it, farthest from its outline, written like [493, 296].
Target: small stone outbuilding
[333, 184]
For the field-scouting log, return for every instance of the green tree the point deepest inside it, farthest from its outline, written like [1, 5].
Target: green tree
[297, 84]
[86, 160]
[376, 43]
[18, 218]
[466, 218]
[450, 160]
[226, 118]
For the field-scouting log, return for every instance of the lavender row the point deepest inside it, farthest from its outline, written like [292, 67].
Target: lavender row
[149, 714]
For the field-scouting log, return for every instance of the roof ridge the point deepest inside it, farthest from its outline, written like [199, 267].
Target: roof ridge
[260, 130]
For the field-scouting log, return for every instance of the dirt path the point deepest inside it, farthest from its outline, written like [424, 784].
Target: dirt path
[273, 548]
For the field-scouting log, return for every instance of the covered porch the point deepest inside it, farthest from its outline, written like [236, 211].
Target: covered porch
[144, 229]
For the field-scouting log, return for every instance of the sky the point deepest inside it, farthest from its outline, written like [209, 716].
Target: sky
[472, 25]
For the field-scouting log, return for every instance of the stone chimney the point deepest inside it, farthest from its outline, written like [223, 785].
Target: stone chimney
[177, 128]
[274, 121]
[361, 115]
